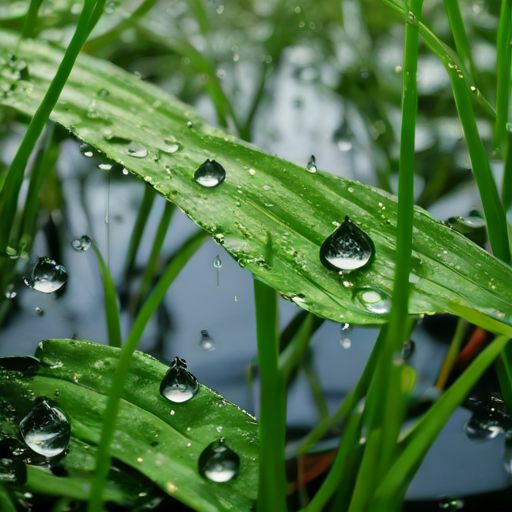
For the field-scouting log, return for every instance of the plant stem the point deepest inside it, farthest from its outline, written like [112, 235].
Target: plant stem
[111, 310]
[138, 229]
[31, 19]
[506, 190]
[11, 187]
[123, 366]
[451, 356]
[272, 421]
[503, 63]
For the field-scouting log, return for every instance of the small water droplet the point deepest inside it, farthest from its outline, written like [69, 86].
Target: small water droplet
[46, 430]
[10, 291]
[407, 349]
[252, 172]
[345, 341]
[136, 150]
[219, 463]
[87, 150]
[47, 276]
[207, 343]
[126, 172]
[482, 427]
[311, 167]
[348, 248]
[451, 504]
[39, 311]
[81, 244]
[217, 263]
[178, 385]
[105, 166]
[374, 300]
[210, 174]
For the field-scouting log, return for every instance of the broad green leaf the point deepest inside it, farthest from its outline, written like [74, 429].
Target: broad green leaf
[160, 439]
[118, 114]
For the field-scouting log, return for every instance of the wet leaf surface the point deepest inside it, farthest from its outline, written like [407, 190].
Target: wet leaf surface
[164, 142]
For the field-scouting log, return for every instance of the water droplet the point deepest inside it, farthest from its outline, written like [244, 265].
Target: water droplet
[374, 300]
[82, 244]
[407, 349]
[311, 167]
[126, 172]
[207, 343]
[482, 427]
[450, 504]
[87, 150]
[178, 385]
[136, 150]
[47, 276]
[348, 248]
[46, 430]
[190, 124]
[345, 341]
[10, 291]
[105, 166]
[39, 311]
[217, 263]
[210, 174]
[219, 463]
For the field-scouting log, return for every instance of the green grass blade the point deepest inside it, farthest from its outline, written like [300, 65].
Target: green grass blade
[138, 230]
[503, 64]
[451, 356]
[121, 372]
[31, 19]
[6, 504]
[12, 184]
[506, 191]
[393, 487]
[272, 420]
[111, 310]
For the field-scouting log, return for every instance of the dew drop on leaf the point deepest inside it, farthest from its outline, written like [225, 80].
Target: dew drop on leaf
[311, 167]
[81, 244]
[407, 349]
[348, 248]
[136, 150]
[178, 385]
[219, 463]
[207, 343]
[47, 276]
[46, 430]
[374, 300]
[210, 174]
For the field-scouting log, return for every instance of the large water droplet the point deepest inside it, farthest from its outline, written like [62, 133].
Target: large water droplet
[82, 244]
[348, 248]
[407, 349]
[178, 385]
[311, 167]
[219, 463]
[46, 430]
[47, 276]
[374, 300]
[210, 174]
[482, 427]
[207, 342]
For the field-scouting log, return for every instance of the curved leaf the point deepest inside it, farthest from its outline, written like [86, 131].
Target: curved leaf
[119, 114]
[160, 439]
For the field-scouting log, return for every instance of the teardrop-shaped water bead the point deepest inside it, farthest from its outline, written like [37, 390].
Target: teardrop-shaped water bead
[210, 174]
[81, 244]
[311, 167]
[46, 430]
[207, 343]
[407, 349]
[219, 463]
[348, 248]
[178, 385]
[47, 276]
[217, 263]
[374, 300]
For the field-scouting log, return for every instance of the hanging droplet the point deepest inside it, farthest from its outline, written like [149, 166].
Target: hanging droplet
[345, 341]
[46, 430]
[407, 349]
[217, 264]
[482, 427]
[311, 167]
[374, 300]
[178, 385]
[450, 504]
[81, 244]
[136, 150]
[47, 276]
[219, 463]
[348, 248]
[39, 311]
[210, 174]
[86, 150]
[207, 343]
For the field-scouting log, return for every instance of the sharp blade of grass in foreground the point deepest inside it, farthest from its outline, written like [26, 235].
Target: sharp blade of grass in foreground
[121, 372]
